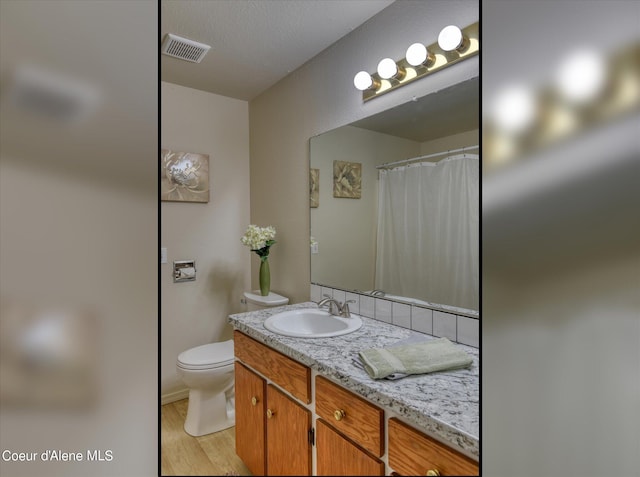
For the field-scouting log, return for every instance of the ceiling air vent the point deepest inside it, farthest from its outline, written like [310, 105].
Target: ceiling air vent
[184, 49]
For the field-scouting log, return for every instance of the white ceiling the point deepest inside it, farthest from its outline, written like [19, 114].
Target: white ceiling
[255, 43]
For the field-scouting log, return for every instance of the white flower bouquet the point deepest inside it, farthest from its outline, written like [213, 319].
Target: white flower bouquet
[259, 239]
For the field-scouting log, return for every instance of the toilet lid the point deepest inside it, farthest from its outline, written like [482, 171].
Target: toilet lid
[212, 355]
[272, 299]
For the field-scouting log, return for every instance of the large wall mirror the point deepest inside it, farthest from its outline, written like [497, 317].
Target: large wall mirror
[409, 229]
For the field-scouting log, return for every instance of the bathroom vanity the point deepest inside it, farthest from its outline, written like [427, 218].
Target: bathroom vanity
[303, 407]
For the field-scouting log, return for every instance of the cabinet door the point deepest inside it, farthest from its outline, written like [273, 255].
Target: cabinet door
[338, 456]
[250, 425]
[288, 426]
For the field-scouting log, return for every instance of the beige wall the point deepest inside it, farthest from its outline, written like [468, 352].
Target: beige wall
[320, 96]
[195, 313]
[346, 229]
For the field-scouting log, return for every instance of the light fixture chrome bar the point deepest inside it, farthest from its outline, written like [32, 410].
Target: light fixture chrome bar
[559, 118]
[390, 165]
[441, 59]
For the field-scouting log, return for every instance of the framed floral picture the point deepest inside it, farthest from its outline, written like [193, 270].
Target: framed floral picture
[347, 179]
[185, 176]
[314, 183]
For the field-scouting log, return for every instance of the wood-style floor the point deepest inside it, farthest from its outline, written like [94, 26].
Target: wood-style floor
[182, 454]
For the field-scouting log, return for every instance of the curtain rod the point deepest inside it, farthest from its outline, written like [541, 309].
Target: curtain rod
[406, 161]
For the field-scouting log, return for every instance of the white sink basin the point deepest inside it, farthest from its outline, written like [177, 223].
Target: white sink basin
[311, 323]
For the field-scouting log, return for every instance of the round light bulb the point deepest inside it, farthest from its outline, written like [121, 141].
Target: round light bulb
[362, 80]
[582, 76]
[450, 38]
[416, 54]
[515, 109]
[387, 68]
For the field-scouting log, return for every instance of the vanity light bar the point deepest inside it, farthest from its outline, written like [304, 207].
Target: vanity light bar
[589, 90]
[436, 58]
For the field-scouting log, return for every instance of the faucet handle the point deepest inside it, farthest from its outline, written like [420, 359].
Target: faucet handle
[344, 309]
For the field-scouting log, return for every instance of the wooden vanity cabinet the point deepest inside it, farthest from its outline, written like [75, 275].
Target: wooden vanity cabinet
[274, 433]
[413, 453]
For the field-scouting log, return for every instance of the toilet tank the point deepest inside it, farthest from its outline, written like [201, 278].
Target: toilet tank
[255, 301]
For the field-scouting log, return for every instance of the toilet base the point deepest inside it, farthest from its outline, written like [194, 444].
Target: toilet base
[209, 412]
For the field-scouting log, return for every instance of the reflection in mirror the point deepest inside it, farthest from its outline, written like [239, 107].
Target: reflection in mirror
[412, 229]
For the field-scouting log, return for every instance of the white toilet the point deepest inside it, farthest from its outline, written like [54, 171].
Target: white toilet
[255, 301]
[207, 371]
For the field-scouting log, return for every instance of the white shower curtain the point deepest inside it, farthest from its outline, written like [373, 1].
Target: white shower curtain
[428, 231]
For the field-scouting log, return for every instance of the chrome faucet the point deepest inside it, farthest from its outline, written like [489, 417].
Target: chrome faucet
[335, 307]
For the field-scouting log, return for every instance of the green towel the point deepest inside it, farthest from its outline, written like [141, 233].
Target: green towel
[419, 358]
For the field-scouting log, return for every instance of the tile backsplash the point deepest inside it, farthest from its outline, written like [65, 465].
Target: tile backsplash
[457, 327]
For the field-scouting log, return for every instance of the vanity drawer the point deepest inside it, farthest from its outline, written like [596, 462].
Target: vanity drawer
[356, 418]
[282, 370]
[413, 453]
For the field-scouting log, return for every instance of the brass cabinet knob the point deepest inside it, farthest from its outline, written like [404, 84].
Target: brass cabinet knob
[254, 400]
[339, 414]
[433, 472]
[270, 413]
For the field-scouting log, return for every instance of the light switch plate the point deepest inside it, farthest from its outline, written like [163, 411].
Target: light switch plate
[163, 255]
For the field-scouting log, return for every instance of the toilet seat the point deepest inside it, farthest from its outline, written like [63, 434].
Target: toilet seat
[209, 356]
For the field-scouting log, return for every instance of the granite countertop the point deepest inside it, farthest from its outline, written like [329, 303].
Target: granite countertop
[445, 404]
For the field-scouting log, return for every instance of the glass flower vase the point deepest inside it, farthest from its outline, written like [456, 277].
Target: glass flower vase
[265, 277]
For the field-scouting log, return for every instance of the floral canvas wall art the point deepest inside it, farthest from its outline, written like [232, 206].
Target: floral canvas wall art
[185, 176]
[347, 179]
[314, 182]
